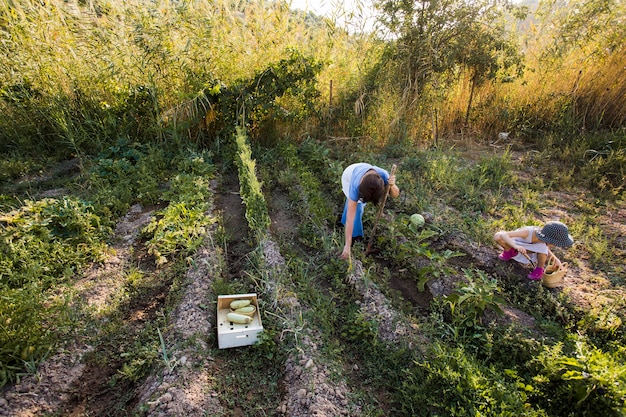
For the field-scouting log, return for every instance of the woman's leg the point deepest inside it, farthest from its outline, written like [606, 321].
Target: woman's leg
[358, 220]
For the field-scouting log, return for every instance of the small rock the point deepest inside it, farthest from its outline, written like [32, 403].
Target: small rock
[165, 398]
[21, 388]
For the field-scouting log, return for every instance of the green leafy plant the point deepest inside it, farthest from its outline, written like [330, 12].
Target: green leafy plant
[435, 267]
[358, 327]
[126, 173]
[168, 362]
[581, 378]
[181, 227]
[45, 243]
[472, 299]
[177, 230]
[463, 386]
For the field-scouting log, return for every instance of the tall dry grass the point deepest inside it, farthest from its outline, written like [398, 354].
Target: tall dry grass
[574, 80]
[78, 75]
[601, 93]
[575, 96]
[116, 67]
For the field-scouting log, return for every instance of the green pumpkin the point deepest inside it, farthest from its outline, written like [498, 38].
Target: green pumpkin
[417, 219]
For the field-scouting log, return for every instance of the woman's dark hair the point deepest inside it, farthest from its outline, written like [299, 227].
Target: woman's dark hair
[372, 188]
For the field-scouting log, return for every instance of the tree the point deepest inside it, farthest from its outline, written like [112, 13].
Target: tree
[436, 40]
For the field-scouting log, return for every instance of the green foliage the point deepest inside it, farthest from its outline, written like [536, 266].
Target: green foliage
[319, 159]
[463, 386]
[583, 25]
[475, 187]
[603, 163]
[444, 176]
[127, 173]
[507, 347]
[181, 227]
[307, 167]
[153, 75]
[47, 241]
[177, 230]
[13, 166]
[250, 188]
[27, 319]
[266, 344]
[284, 91]
[595, 161]
[357, 327]
[436, 267]
[306, 190]
[437, 43]
[138, 358]
[81, 123]
[585, 381]
[407, 246]
[195, 163]
[136, 90]
[472, 299]
[44, 244]
[603, 325]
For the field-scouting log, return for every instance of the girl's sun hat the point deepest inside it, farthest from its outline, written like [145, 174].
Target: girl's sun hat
[555, 233]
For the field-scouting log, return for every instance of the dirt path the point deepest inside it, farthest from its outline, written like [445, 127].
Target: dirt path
[309, 388]
[185, 385]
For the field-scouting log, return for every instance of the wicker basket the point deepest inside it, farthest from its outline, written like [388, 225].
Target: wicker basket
[554, 276]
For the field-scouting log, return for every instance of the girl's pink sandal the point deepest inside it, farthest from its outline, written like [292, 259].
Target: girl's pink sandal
[536, 274]
[507, 255]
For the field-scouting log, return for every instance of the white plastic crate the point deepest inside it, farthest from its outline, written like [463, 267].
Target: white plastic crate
[231, 334]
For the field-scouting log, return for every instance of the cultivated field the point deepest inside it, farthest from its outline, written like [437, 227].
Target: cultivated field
[373, 336]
